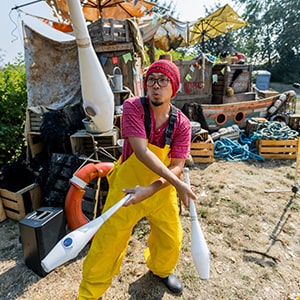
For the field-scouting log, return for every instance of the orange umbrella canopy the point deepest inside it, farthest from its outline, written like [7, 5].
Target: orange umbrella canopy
[222, 21]
[95, 9]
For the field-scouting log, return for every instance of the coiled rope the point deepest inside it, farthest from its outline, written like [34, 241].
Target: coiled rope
[233, 151]
[274, 130]
[270, 130]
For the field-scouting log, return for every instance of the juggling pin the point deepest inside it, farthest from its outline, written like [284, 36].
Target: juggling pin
[200, 251]
[98, 98]
[70, 245]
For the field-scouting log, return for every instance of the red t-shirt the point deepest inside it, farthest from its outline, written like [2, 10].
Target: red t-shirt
[133, 125]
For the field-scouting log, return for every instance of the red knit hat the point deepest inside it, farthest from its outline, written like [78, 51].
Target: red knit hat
[167, 68]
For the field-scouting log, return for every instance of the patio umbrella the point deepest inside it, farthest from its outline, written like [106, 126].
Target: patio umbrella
[222, 21]
[95, 9]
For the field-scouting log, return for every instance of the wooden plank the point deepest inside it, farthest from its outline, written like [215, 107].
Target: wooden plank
[203, 160]
[278, 156]
[115, 47]
[278, 142]
[9, 195]
[2, 212]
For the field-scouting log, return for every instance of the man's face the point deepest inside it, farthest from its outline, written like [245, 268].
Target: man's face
[159, 88]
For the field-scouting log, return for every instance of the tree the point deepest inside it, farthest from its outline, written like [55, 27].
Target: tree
[164, 7]
[272, 39]
[13, 104]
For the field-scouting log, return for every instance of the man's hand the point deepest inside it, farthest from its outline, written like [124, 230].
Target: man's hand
[185, 193]
[138, 194]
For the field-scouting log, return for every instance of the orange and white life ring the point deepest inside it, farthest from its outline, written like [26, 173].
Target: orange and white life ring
[73, 204]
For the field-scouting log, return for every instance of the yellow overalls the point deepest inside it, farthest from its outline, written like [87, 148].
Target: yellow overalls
[110, 242]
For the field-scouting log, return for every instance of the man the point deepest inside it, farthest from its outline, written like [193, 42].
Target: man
[156, 143]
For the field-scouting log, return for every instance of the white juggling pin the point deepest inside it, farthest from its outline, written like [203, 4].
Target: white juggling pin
[98, 98]
[70, 245]
[200, 251]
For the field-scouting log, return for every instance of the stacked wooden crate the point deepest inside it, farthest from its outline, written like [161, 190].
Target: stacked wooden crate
[202, 147]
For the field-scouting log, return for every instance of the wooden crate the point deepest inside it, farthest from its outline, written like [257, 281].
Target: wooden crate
[236, 76]
[252, 124]
[277, 149]
[18, 204]
[294, 122]
[203, 152]
[34, 141]
[82, 142]
[35, 121]
[109, 31]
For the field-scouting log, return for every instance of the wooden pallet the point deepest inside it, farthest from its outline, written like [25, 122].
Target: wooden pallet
[18, 204]
[278, 149]
[203, 152]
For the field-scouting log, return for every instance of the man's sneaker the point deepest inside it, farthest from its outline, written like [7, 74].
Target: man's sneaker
[173, 284]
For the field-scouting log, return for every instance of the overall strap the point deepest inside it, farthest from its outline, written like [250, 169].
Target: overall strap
[170, 127]
[147, 121]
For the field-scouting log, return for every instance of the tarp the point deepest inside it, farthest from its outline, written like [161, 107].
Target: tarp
[52, 69]
[52, 66]
[168, 33]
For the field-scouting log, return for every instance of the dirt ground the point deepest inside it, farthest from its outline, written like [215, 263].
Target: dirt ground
[252, 233]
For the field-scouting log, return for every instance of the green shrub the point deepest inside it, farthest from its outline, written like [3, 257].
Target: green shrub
[13, 104]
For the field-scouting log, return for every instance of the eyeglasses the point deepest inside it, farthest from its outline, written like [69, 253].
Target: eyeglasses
[162, 81]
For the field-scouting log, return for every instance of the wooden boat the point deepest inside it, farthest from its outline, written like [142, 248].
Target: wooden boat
[224, 115]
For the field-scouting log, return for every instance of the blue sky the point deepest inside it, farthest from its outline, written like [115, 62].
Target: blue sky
[11, 42]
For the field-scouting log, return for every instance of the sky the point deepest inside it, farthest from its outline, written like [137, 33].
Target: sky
[11, 42]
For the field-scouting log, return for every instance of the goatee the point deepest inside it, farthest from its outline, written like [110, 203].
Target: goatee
[156, 103]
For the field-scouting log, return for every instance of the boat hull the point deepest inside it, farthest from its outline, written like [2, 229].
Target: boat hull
[225, 115]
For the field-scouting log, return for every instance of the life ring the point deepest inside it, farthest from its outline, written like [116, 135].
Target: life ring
[73, 204]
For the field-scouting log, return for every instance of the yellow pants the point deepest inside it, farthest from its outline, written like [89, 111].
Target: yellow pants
[110, 242]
